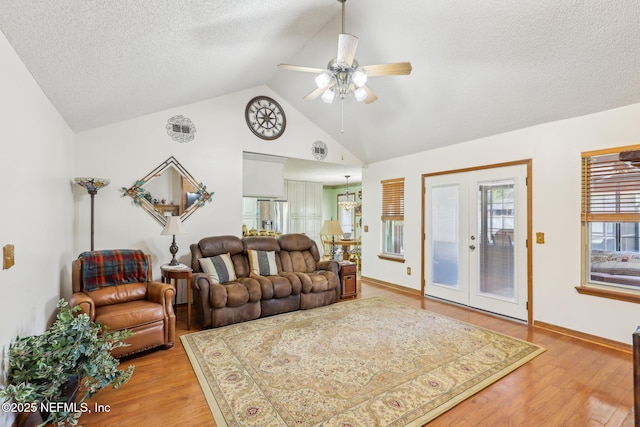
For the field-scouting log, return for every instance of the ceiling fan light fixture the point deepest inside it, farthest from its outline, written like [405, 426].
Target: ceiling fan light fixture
[360, 94]
[358, 78]
[343, 76]
[328, 96]
[323, 79]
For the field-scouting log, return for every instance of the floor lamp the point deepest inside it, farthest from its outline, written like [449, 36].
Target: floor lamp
[92, 185]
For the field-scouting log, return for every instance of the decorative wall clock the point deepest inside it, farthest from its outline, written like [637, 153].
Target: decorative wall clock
[181, 129]
[319, 150]
[265, 117]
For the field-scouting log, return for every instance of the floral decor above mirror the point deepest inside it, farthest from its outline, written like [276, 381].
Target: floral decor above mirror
[168, 190]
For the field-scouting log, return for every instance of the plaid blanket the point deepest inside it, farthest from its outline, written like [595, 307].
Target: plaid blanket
[112, 267]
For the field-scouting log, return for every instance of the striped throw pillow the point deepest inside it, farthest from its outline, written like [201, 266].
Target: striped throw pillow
[262, 263]
[219, 268]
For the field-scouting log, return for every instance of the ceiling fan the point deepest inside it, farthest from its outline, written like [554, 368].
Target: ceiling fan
[344, 75]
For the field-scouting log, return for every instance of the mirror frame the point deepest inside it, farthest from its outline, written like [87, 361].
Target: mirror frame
[136, 191]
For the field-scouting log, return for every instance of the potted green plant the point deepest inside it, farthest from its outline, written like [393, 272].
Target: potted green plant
[55, 372]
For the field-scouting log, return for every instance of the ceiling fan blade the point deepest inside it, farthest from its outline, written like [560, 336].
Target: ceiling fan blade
[317, 92]
[347, 44]
[290, 67]
[395, 69]
[371, 97]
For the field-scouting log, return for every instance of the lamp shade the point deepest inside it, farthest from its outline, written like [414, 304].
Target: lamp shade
[331, 228]
[360, 94]
[328, 96]
[173, 226]
[92, 184]
[358, 78]
[323, 79]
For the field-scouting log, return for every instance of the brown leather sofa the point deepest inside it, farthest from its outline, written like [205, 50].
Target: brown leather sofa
[302, 280]
[145, 308]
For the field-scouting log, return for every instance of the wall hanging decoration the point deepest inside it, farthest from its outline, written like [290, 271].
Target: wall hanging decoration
[168, 190]
[265, 117]
[181, 129]
[319, 150]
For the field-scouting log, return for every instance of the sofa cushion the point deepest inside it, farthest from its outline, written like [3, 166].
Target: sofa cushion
[294, 261]
[129, 314]
[232, 294]
[262, 263]
[219, 268]
[317, 282]
[212, 246]
[119, 294]
[261, 243]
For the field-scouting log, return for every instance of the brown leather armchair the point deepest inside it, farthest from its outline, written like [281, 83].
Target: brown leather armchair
[138, 304]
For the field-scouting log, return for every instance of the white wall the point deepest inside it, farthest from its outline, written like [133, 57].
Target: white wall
[36, 170]
[555, 152]
[127, 151]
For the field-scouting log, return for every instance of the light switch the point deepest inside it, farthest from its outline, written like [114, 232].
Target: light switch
[540, 238]
[366, 228]
[7, 256]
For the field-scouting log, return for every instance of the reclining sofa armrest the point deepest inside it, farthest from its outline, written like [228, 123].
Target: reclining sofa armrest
[201, 284]
[329, 265]
[333, 266]
[85, 302]
[161, 293]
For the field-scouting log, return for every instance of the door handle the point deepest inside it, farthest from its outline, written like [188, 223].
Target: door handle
[472, 247]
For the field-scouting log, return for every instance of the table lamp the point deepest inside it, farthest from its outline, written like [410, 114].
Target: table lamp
[332, 228]
[173, 227]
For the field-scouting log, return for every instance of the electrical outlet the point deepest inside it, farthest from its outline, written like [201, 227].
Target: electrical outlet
[366, 228]
[409, 271]
[7, 256]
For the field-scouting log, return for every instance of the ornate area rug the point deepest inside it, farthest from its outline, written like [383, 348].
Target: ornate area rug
[366, 362]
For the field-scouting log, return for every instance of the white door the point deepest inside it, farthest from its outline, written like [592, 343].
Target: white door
[475, 239]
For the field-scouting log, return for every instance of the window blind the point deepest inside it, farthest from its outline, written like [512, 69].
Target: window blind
[393, 199]
[611, 186]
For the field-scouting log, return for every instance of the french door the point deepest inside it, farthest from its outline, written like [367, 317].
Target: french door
[475, 239]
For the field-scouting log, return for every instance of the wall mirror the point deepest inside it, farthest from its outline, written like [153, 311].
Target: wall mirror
[168, 190]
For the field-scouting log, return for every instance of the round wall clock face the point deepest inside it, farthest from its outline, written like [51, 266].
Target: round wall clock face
[319, 150]
[265, 117]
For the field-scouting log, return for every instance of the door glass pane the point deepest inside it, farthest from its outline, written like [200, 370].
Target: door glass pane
[496, 258]
[445, 235]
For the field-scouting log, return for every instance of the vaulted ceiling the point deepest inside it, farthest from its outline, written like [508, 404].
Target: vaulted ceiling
[479, 68]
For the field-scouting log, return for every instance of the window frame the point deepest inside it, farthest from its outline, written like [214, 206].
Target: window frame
[606, 212]
[392, 210]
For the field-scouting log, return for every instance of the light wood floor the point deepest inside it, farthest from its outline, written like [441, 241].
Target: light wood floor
[574, 383]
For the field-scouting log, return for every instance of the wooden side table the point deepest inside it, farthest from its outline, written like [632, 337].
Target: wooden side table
[348, 278]
[177, 272]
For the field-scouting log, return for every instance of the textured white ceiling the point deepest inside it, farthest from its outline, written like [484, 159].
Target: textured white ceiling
[479, 68]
